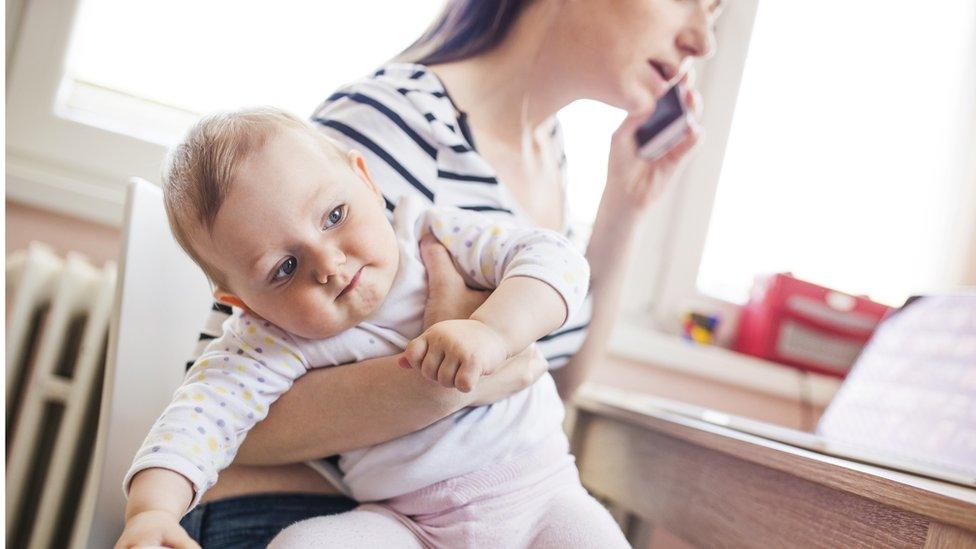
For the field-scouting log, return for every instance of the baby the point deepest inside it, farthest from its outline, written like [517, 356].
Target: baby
[293, 232]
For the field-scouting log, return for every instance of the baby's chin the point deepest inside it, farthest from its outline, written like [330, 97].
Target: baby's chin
[354, 308]
[327, 328]
[314, 330]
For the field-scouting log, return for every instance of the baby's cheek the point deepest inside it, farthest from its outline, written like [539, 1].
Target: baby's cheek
[308, 319]
[371, 297]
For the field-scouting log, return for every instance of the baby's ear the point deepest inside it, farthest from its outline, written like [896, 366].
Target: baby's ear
[358, 165]
[228, 298]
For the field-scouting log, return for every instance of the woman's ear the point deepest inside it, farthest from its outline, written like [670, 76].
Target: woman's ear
[228, 298]
[358, 165]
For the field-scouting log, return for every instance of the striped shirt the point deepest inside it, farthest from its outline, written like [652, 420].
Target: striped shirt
[417, 142]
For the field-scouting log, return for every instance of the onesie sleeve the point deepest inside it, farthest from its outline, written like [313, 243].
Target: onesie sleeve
[225, 393]
[486, 253]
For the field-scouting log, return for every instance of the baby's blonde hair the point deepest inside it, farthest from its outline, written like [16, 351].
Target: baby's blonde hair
[199, 171]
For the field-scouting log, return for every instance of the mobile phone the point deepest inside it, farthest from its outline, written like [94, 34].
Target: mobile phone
[665, 126]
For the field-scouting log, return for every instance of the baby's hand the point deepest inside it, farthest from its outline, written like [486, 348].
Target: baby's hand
[455, 353]
[155, 529]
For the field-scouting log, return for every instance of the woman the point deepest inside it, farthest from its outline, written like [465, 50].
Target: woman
[465, 117]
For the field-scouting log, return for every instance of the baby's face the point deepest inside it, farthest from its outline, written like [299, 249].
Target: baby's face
[302, 238]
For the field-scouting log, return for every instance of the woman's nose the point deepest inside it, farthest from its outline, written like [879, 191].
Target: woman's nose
[697, 39]
[327, 262]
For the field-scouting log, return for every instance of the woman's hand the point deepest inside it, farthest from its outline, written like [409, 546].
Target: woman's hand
[515, 374]
[448, 298]
[632, 185]
[633, 182]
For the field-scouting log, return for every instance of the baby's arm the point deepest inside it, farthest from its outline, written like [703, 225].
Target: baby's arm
[157, 500]
[539, 281]
[225, 393]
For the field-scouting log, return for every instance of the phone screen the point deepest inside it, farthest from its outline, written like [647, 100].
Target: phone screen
[668, 109]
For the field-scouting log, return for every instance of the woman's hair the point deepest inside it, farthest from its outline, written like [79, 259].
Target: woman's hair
[463, 29]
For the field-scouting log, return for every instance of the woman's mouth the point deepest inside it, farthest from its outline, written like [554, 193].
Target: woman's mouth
[352, 283]
[660, 83]
[665, 70]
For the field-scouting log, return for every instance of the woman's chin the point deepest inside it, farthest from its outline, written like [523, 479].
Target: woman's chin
[640, 100]
[633, 99]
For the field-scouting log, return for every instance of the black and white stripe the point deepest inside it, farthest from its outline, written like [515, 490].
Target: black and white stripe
[380, 152]
[487, 209]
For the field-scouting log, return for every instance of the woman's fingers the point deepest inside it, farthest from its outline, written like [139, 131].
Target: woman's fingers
[516, 374]
[693, 100]
[625, 134]
[693, 136]
[691, 97]
[448, 297]
[537, 366]
[441, 273]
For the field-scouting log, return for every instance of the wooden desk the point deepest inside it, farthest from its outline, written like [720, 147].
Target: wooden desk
[716, 487]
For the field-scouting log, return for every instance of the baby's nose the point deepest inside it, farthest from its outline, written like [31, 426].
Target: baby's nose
[328, 262]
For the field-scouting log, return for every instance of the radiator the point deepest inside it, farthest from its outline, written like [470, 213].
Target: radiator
[57, 325]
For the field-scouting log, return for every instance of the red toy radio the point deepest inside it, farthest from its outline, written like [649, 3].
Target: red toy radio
[806, 326]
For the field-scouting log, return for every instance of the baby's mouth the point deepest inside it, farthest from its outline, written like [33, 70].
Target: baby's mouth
[352, 283]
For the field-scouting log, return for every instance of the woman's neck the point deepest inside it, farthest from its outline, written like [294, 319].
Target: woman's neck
[510, 91]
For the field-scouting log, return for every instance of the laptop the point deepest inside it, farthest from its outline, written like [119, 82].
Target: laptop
[908, 403]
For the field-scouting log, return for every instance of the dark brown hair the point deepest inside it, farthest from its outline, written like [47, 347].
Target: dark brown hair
[463, 29]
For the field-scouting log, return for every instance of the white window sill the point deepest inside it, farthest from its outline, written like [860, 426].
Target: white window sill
[125, 114]
[635, 339]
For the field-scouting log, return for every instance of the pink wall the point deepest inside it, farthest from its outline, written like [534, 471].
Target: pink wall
[26, 223]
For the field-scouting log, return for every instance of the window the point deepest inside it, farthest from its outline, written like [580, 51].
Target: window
[842, 156]
[845, 160]
[194, 57]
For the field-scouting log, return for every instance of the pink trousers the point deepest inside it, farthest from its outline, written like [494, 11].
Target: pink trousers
[535, 500]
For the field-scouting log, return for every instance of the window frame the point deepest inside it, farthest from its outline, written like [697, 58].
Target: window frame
[662, 283]
[54, 161]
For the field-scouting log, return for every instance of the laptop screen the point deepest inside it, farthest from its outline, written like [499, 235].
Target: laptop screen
[911, 394]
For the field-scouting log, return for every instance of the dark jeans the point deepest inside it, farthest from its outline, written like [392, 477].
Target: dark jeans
[253, 521]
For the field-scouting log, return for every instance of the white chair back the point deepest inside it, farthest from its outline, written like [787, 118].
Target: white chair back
[161, 301]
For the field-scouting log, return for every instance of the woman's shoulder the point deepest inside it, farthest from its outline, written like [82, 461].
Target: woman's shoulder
[414, 83]
[409, 95]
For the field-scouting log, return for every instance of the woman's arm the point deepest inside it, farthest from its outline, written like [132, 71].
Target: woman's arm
[334, 410]
[632, 185]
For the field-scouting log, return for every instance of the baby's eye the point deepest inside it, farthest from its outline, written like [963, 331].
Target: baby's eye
[335, 216]
[286, 269]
